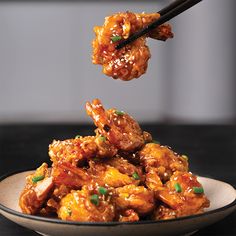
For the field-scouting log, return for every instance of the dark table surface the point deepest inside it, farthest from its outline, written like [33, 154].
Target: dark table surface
[211, 148]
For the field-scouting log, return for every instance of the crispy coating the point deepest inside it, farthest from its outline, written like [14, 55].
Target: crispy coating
[117, 175]
[128, 216]
[131, 61]
[70, 150]
[162, 160]
[69, 175]
[76, 151]
[138, 198]
[107, 175]
[77, 206]
[53, 203]
[35, 193]
[153, 181]
[164, 213]
[126, 167]
[118, 127]
[186, 201]
[58, 193]
[112, 172]
[163, 32]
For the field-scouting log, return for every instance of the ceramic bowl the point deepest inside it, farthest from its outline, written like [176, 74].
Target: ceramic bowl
[223, 203]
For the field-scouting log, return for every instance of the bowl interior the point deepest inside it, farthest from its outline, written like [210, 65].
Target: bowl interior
[219, 193]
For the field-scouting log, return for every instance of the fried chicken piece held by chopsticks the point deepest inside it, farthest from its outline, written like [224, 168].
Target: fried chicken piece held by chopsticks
[131, 61]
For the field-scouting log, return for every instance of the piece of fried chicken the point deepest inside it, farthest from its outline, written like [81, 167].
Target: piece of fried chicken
[115, 172]
[78, 150]
[86, 205]
[131, 61]
[138, 198]
[36, 191]
[160, 162]
[120, 129]
[182, 195]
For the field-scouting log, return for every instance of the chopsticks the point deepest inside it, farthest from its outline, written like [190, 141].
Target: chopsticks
[167, 13]
[171, 7]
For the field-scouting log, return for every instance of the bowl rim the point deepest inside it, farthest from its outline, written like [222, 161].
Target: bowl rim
[115, 223]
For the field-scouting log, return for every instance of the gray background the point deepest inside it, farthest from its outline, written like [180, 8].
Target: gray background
[46, 74]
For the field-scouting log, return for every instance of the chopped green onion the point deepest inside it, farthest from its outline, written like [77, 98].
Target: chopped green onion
[198, 190]
[102, 138]
[155, 141]
[94, 199]
[116, 38]
[135, 176]
[185, 157]
[119, 113]
[178, 188]
[102, 190]
[35, 179]
[78, 136]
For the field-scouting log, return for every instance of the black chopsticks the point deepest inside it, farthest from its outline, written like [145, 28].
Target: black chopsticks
[167, 13]
[171, 6]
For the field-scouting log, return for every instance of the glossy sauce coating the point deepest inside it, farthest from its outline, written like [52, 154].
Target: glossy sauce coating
[138, 198]
[182, 202]
[162, 160]
[118, 127]
[117, 175]
[37, 188]
[131, 61]
[77, 206]
[78, 150]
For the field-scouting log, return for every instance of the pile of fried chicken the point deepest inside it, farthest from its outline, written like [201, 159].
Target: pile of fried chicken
[131, 61]
[120, 174]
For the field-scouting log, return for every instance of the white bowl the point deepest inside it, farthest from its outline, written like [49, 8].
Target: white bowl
[221, 195]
